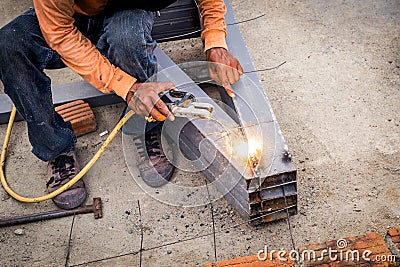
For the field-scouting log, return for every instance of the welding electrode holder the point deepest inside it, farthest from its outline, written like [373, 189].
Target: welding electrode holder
[171, 98]
[184, 104]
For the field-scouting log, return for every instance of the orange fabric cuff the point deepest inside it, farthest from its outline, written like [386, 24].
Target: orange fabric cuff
[121, 82]
[214, 38]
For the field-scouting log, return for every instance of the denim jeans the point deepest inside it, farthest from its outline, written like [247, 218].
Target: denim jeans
[124, 37]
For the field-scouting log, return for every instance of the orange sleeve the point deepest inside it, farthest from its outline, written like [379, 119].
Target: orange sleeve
[76, 51]
[213, 21]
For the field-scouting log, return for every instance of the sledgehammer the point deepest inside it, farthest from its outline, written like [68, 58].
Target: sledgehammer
[95, 208]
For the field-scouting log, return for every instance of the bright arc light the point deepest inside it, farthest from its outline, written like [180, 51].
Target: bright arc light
[254, 147]
[249, 150]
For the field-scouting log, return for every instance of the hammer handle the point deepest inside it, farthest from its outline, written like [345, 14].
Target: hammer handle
[44, 216]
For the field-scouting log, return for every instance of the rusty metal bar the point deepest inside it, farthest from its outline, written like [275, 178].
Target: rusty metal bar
[95, 208]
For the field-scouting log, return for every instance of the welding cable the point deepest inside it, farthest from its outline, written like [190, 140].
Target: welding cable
[73, 180]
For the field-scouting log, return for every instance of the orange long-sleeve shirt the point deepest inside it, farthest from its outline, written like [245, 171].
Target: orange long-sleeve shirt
[79, 54]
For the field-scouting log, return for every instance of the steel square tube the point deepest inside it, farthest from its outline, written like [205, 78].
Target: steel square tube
[65, 93]
[277, 192]
[279, 203]
[273, 205]
[239, 195]
[273, 161]
[273, 216]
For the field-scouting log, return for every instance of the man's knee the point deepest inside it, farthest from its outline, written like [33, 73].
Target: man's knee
[130, 29]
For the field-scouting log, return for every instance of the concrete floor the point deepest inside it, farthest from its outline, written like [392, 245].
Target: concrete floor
[336, 99]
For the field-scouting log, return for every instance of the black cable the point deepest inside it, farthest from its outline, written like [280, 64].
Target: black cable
[124, 111]
[179, 35]
[105, 259]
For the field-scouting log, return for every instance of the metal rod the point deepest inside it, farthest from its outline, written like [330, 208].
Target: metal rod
[95, 208]
[36, 217]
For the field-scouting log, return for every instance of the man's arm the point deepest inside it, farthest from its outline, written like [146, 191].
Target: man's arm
[76, 51]
[213, 21]
[227, 69]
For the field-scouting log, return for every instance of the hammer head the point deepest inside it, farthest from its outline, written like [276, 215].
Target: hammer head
[97, 208]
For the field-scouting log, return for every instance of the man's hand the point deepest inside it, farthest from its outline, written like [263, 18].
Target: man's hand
[143, 99]
[227, 71]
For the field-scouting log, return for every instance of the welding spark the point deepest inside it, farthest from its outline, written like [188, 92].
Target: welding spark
[249, 151]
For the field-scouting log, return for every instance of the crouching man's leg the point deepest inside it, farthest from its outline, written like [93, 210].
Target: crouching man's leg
[24, 55]
[128, 44]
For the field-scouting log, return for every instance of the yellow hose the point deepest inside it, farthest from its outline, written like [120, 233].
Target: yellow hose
[70, 183]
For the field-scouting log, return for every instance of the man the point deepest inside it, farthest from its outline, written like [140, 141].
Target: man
[109, 44]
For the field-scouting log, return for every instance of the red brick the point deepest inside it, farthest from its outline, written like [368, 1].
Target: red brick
[251, 261]
[80, 115]
[68, 105]
[396, 239]
[394, 232]
[372, 242]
